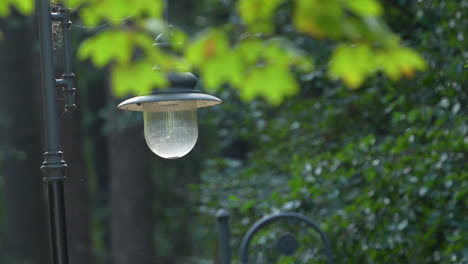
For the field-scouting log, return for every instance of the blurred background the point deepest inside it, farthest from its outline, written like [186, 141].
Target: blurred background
[382, 169]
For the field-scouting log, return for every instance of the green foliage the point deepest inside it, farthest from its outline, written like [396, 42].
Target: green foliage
[257, 14]
[135, 77]
[107, 47]
[23, 6]
[115, 12]
[259, 67]
[393, 62]
[364, 7]
[118, 47]
[220, 55]
[383, 169]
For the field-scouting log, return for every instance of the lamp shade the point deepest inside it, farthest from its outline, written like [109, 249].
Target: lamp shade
[181, 90]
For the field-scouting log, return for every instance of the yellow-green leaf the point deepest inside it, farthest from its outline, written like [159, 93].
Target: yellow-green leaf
[272, 82]
[257, 14]
[365, 7]
[207, 46]
[226, 67]
[4, 8]
[136, 78]
[319, 18]
[24, 6]
[352, 64]
[107, 47]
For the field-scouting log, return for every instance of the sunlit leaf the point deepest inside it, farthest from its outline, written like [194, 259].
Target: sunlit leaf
[272, 82]
[90, 16]
[136, 78]
[24, 6]
[365, 7]
[4, 8]
[400, 61]
[250, 50]
[226, 68]
[319, 18]
[257, 14]
[352, 64]
[206, 46]
[117, 12]
[107, 47]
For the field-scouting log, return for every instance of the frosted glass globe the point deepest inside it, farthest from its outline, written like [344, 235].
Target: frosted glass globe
[171, 128]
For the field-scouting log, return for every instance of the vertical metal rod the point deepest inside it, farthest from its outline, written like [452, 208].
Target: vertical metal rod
[58, 233]
[223, 231]
[54, 167]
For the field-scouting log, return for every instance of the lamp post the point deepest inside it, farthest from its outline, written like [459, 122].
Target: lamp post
[54, 167]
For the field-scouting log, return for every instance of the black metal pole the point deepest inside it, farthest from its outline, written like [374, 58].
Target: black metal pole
[53, 167]
[223, 231]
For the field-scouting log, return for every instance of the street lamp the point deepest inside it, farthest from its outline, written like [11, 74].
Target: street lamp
[170, 116]
[171, 128]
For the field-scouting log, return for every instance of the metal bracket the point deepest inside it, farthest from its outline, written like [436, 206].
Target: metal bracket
[67, 83]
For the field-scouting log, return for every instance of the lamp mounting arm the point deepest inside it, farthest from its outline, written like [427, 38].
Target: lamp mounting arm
[67, 82]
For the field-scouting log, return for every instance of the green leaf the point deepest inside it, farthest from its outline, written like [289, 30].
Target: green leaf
[247, 205]
[25, 6]
[365, 7]
[117, 12]
[107, 47]
[224, 68]
[233, 198]
[257, 14]
[352, 64]
[400, 61]
[250, 50]
[273, 82]
[4, 8]
[136, 78]
[206, 46]
[90, 16]
[319, 18]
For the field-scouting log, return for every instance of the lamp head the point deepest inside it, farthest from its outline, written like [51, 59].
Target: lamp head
[170, 116]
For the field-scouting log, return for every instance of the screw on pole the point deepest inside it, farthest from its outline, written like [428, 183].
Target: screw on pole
[223, 231]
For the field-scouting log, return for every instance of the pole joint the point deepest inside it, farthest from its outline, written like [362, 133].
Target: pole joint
[54, 167]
